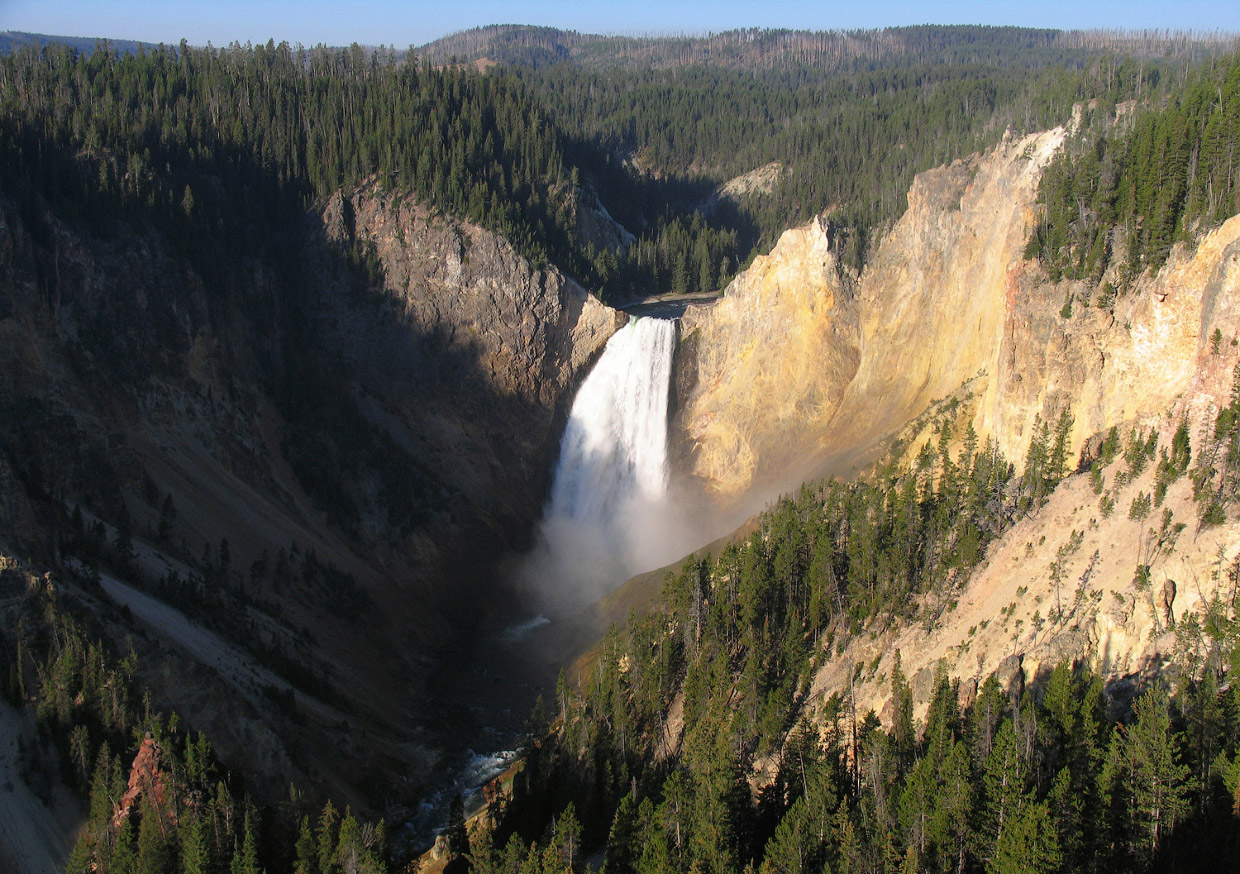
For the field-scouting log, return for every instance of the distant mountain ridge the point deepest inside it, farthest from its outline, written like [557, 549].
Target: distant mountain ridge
[765, 49]
[10, 40]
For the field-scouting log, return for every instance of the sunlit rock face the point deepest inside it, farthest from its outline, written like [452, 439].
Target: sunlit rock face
[800, 360]
[934, 297]
[761, 372]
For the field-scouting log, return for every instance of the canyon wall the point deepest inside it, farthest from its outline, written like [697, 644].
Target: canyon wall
[347, 450]
[761, 373]
[949, 308]
[800, 360]
[475, 351]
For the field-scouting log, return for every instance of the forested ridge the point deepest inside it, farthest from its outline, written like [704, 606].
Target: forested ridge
[231, 140]
[213, 144]
[851, 142]
[757, 49]
[851, 116]
[1136, 179]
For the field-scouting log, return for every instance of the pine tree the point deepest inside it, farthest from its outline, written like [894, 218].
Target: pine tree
[457, 833]
[307, 853]
[195, 850]
[1028, 844]
[902, 732]
[327, 832]
[245, 856]
[124, 855]
[155, 852]
[1159, 782]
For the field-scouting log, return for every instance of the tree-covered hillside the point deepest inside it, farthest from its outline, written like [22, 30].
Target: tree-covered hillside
[1140, 177]
[693, 744]
[850, 139]
[220, 142]
[689, 743]
[217, 142]
[757, 49]
[851, 116]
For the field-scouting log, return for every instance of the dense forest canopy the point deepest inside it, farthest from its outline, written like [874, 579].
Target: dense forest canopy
[1138, 178]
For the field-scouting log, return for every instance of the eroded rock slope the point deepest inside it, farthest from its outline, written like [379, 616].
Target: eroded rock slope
[341, 457]
[800, 360]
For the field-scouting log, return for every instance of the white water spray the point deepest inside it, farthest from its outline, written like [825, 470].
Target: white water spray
[609, 514]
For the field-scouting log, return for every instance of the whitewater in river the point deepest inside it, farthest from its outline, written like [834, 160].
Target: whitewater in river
[608, 515]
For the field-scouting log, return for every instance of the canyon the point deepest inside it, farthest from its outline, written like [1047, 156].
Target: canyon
[445, 388]
[370, 442]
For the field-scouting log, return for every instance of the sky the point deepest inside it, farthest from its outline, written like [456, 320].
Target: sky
[402, 23]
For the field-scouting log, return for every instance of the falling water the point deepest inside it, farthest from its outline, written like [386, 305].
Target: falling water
[615, 445]
[610, 515]
[608, 504]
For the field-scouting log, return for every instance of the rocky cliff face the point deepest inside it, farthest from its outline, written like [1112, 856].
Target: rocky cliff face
[291, 416]
[1150, 357]
[933, 297]
[761, 373]
[798, 360]
[1064, 582]
[949, 307]
[474, 352]
[819, 363]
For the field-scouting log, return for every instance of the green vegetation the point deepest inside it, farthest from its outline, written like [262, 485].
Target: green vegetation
[1055, 775]
[191, 814]
[1216, 478]
[1161, 172]
[225, 152]
[211, 144]
[850, 117]
[217, 142]
[220, 147]
[757, 50]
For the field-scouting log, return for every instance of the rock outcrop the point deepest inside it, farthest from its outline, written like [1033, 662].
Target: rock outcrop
[477, 353]
[761, 373]
[146, 781]
[1061, 584]
[798, 361]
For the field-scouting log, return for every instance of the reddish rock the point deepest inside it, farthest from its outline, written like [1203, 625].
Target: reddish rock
[146, 779]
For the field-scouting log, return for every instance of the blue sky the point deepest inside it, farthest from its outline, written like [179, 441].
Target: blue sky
[413, 22]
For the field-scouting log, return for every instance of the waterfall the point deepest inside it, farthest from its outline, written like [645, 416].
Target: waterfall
[615, 445]
[609, 506]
